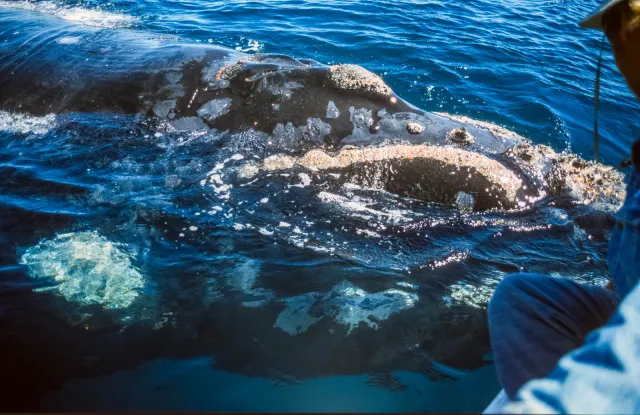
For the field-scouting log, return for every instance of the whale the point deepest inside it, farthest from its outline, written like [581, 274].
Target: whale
[340, 126]
[56, 66]
[295, 105]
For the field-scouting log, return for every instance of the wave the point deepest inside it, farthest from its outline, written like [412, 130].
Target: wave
[25, 123]
[89, 17]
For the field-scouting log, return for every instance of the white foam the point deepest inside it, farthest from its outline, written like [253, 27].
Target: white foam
[216, 178]
[464, 293]
[252, 46]
[95, 17]
[68, 40]
[87, 268]
[351, 186]
[223, 191]
[455, 257]
[305, 178]
[368, 233]
[220, 188]
[25, 123]
[359, 206]
[216, 169]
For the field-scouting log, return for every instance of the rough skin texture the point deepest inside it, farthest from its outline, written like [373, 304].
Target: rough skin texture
[354, 77]
[430, 173]
[415, 128]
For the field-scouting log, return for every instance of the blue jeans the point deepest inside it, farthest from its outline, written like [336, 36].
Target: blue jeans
[600, 377]
[540, 328]
[534, 320]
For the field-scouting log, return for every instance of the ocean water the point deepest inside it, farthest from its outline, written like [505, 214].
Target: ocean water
[127, 284]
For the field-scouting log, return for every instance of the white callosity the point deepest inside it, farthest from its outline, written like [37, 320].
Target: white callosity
[248, 171]
[460, 136]
[243, 278]
[214, 109]
[173, 77]
[356, 78]
[289, 136]
[332, 110]
[414, 128]
[362, 120]
[465, 202]
[358, 306]
[173, 86]
[189, 124]
[284, 90]
[285, 135]
[86, 268]
[295, 318]
[486, 170]
[164, 108]
[347, 305]
[316, 130]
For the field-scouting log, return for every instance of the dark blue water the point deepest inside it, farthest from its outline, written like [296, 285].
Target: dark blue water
[224, 306]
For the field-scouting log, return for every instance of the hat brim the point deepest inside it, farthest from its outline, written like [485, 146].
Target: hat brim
[595, 20]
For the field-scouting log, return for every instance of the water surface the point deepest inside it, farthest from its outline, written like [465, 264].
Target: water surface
[275, 296]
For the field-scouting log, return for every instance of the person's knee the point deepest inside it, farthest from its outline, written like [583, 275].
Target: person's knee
[511, 294]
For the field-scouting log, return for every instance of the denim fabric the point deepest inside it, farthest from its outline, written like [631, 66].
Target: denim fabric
[624, 245]
[534, 320]
[603, 375]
